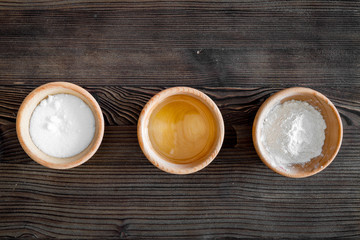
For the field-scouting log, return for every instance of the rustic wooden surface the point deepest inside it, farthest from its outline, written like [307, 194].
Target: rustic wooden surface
[237, 52]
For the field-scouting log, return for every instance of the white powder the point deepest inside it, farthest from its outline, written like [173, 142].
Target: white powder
[62, 125]
[293, 133]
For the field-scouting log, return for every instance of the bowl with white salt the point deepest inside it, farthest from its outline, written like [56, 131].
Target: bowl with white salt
[60, 125]
[297, 132]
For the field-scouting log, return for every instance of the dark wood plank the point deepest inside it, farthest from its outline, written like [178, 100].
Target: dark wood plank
[122, 105]
[197, 43]
[188, 5]
[118, 193]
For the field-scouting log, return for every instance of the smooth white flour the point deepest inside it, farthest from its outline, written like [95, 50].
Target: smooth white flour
[293, 133]
[62, 125]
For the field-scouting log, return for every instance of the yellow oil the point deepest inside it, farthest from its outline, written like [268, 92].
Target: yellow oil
[182, 129]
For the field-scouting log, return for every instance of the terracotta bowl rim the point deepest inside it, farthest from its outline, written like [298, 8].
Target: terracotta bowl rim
[275, 99]
[96, 110]
[154, 101]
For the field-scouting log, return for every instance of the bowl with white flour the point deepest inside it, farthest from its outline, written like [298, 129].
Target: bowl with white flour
[60, 125]
[297, 132]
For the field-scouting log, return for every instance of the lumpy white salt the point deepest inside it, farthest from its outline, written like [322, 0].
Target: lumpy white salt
[293, 133]
[62, 125]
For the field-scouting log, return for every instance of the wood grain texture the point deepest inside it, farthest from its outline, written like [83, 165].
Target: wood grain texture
[118, 193]
[238, 53]
[122, 105]
[196, 43]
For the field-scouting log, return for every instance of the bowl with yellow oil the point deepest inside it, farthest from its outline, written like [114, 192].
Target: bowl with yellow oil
[180, 130]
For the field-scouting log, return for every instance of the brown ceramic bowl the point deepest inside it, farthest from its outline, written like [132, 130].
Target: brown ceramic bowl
[23, 121]
[333, 131]
[165, 163]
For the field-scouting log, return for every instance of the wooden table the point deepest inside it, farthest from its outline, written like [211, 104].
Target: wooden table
[237, 52]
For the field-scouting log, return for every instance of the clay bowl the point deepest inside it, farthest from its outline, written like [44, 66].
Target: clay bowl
[23, 121]
[333, 131]
[166, 163]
